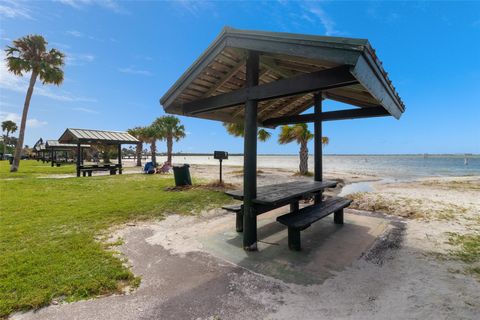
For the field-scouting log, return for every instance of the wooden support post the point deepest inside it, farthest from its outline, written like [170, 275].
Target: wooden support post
[250, 157]
[119, 159]
[338, 216]
[79, 150]
[317, 97]
[52, 157]
[294, 239]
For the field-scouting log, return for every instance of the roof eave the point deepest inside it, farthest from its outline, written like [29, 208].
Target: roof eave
[372, 77]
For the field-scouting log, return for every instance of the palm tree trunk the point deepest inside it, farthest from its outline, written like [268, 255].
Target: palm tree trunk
[303, 158]
[169, 150]
[23, 123]
[138, 154]
[5, 146]
[153, 151]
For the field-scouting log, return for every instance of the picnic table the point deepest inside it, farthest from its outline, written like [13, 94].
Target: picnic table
[284, 193]
[88, 169]
[270, 197]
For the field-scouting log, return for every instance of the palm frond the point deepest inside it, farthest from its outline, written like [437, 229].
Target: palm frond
[263, 135]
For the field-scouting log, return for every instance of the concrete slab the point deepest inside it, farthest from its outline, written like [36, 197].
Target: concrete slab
[327, 248]
[183, 262]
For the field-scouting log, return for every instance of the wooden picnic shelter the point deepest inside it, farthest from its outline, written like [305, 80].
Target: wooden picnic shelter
[269, 79]
[39, 149]
[80, 137]
[53, 147]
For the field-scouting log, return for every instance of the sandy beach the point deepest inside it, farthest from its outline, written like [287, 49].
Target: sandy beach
[407, 269]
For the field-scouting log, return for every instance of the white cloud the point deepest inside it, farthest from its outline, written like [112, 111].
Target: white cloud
[78, 59]
[75, 33]
[86, 110]
[131, 70]
[111, 5]
[79, 34]
[11, 82]
[325, 19]
[35, 123]
[14, 9]
[60, 45]
[195, 7]
[15, 117]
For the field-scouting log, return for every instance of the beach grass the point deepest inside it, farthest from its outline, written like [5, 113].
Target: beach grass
[406, 207]
[467, 249]
[49, 230]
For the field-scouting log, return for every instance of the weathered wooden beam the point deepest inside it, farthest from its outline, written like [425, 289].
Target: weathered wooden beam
[317, 143]
[328, 116]
[250, 157]
[242, 108]
[325, 79]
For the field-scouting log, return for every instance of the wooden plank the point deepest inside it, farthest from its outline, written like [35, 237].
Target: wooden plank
[225, 78]
[270, 63]
[325, 79]
[283, 193]
[349, 100]
[313, 213]
[328, 116]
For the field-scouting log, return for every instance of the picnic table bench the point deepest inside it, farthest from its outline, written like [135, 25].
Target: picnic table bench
[88, 169]
[274, 196]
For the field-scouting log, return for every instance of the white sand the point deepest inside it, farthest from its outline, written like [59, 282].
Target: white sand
[409, 282]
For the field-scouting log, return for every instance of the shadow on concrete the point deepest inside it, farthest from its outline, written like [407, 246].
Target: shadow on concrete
[327, 248]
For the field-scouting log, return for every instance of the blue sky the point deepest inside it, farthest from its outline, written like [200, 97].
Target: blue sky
[123, 56]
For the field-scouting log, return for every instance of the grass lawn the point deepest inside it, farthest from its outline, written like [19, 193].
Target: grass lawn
[48, 229]
[34, 168]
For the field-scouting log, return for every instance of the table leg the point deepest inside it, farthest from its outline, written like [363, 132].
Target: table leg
[294, 239]
[338, 216]
[239, 222]
[294, 206]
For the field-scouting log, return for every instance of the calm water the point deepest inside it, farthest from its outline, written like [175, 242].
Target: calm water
[395, 166]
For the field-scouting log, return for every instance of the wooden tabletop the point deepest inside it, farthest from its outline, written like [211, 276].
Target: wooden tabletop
[284, 192]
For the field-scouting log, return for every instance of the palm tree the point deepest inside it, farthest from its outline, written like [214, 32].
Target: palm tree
[141, 135]
[300, 134]
[170, 129]
[237, 130]
[152, 134]
[9, 127]
[29, 54]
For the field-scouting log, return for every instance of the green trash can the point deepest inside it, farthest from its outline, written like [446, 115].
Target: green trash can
[182, 175]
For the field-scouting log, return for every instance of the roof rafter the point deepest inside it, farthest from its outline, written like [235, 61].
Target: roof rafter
[325, 79]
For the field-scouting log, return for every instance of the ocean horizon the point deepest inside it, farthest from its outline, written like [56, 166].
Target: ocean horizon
[391, 166]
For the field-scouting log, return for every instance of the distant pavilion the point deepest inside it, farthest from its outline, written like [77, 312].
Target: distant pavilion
[80, 137]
